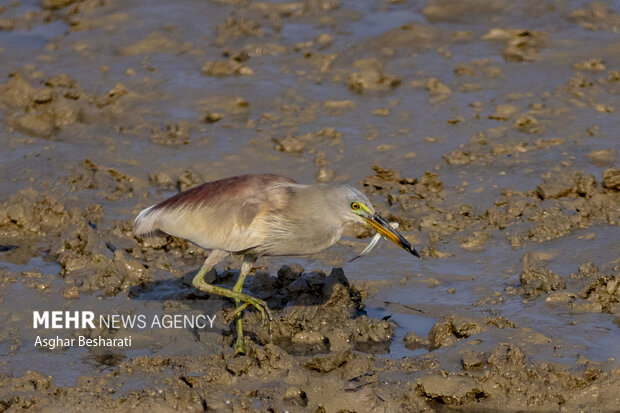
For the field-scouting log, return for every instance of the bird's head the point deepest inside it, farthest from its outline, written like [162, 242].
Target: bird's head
[356, 207]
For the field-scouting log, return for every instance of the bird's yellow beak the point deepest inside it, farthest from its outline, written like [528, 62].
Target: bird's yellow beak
[384, 228]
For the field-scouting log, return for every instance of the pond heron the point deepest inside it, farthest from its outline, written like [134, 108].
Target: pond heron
[257, 215]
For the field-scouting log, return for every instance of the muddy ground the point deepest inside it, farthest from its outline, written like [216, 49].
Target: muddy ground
[487, 129]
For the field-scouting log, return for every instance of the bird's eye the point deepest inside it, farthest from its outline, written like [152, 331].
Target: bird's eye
[355, 205]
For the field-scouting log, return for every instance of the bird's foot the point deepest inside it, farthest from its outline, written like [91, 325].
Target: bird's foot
[260, 305]
[247, 300]
[239, 347]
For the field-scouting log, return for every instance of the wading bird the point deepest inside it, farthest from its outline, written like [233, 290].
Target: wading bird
[256, 215]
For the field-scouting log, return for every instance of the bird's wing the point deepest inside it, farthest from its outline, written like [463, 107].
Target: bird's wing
[219, 214]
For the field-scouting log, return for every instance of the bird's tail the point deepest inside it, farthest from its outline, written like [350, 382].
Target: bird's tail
[146, 223]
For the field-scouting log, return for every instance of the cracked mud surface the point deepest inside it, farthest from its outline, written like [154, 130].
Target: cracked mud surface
[486, 129]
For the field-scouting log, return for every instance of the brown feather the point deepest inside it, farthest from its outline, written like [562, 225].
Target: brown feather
[217, 215]
[227, 189]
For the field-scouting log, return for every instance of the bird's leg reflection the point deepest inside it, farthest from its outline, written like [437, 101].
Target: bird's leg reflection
[235, 293]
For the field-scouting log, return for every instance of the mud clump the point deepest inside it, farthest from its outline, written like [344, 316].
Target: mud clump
[611, 178]
[470, 360]
[93, 259]
[319, 312]
[503, 112]
[451, 390]
[172, 135]
[558, 206]
[154, 42]
[480, 151]
[534, 281]
[312, 143]
[370, 80]
[30, 214]
[520, 45]
[98, 272]
[575, 184]
[458, 11]
[596, 290]
[41, 112]
[20, 393]
[503, 378]
[438, 92]
[87, 255]
[225, 68]
[238, 27]
[56, 105]
[597, 16]
[386, 179]
[111, 183]
[325, 364]
[451, 329]
[414, 341]
[589, 290]
[500, 377]
[289, 144]
[399, 189]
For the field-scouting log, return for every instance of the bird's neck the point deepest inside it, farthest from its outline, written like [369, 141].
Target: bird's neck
[308, 225]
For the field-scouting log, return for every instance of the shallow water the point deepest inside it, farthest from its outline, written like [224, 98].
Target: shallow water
[156, 124]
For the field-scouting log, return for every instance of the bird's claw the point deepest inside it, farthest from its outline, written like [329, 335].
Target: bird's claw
[260, 305]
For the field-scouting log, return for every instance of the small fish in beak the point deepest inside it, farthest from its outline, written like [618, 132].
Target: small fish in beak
[386, 230]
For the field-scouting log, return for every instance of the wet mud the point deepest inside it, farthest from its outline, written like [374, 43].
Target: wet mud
[486, 129]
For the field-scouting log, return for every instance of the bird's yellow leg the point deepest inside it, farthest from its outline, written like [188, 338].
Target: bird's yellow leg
[239, 346]
[235, 293]
[247, 299]
[237, 311]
